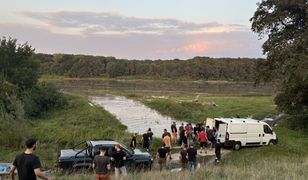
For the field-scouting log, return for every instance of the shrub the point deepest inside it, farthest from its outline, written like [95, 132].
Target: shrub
[42, 98]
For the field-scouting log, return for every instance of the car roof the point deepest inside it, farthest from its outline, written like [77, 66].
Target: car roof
[240, 120]
[103, 142]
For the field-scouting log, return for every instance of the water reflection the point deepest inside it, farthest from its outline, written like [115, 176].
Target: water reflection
[136, 116]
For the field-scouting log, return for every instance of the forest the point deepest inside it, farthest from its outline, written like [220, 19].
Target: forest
[197, 68]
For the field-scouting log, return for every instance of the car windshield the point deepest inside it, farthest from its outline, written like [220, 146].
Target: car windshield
[127, 149]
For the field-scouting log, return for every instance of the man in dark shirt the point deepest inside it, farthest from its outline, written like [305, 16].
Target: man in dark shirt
[161, 157]
[174, 132]
[28, 165]
[101, 164]
[146, 141]
[192, 157]
[183, 157]
[119, 158]
[218, 151]
[182, 134]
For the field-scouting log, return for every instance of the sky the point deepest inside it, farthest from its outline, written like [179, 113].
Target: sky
[134, 29]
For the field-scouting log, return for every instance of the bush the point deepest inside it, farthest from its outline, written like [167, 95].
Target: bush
[42, 98]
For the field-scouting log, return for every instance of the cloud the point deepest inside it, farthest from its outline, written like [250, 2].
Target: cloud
[100, 23]
[138, 46]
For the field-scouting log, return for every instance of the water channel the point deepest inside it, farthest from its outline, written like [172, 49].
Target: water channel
[136, 116]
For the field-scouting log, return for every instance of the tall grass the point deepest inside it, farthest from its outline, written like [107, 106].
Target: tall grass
[76, 122]
[183, 107]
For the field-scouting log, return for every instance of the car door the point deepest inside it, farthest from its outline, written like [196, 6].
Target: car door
[222, 129]
[267, 134]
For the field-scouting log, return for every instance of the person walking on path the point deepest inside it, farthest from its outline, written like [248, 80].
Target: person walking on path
[174, 132]
[203, 140]
[101, 164]
[146, 141]
[119, 158]
[27, 164]
[161, 156]
[192, 158]
[167, 142]
[183, 157]
[218, 151]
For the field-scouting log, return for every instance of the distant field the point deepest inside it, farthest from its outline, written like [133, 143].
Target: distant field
[186, 109]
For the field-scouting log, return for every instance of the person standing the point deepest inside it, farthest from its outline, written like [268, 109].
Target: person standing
[161, 157]
[101, 164]
[203, 140]
[167, 142]
[181, 134]
[146, 141]
[183, 157]
[192, 158]
[119, 158]
[150, 135]
[133, 142]
[174, 132]
[27, 164]
[218, 151]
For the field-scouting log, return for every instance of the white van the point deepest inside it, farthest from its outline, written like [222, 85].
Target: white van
[238, 132]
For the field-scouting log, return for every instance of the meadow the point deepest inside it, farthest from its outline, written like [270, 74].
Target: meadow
[79, 121]
[185, 108]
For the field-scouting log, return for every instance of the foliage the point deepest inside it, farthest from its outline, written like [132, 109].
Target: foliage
[204, 68]
[286, 24]
[42, 98]
[20, 94]
[17, 64]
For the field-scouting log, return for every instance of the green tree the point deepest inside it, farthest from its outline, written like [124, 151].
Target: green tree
[17, 64]
[285, 23]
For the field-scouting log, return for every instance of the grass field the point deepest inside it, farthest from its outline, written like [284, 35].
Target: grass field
[77, 122]
[184, 108]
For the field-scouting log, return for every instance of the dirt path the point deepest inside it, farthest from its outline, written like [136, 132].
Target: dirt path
[203, 158]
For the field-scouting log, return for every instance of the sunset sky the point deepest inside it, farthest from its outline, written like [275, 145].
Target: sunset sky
[134, 29]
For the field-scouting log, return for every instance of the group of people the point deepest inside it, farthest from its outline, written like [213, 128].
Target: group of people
[28, 164]
[189, 138]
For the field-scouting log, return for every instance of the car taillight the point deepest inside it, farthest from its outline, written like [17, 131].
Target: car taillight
[227, 136]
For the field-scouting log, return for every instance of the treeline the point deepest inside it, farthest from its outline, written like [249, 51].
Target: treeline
[197, 68]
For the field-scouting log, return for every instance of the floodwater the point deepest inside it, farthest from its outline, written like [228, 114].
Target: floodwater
[136, 116]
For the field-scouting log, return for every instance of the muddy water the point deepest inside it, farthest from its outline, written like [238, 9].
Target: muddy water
[136, 116]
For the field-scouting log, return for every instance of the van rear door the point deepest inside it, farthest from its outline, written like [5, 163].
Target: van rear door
[222, 129]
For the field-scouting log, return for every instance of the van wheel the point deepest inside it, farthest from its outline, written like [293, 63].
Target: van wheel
[237, 146]
[272, 142]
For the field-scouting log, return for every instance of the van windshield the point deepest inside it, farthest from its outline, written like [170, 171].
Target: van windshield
[267, 129]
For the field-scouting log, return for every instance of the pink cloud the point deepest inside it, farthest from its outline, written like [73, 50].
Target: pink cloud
[196, 47]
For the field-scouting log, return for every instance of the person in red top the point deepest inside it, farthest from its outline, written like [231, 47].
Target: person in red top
[203, 140]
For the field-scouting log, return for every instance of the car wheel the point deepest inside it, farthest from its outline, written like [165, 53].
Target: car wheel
[237, 146]
[272, 142]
